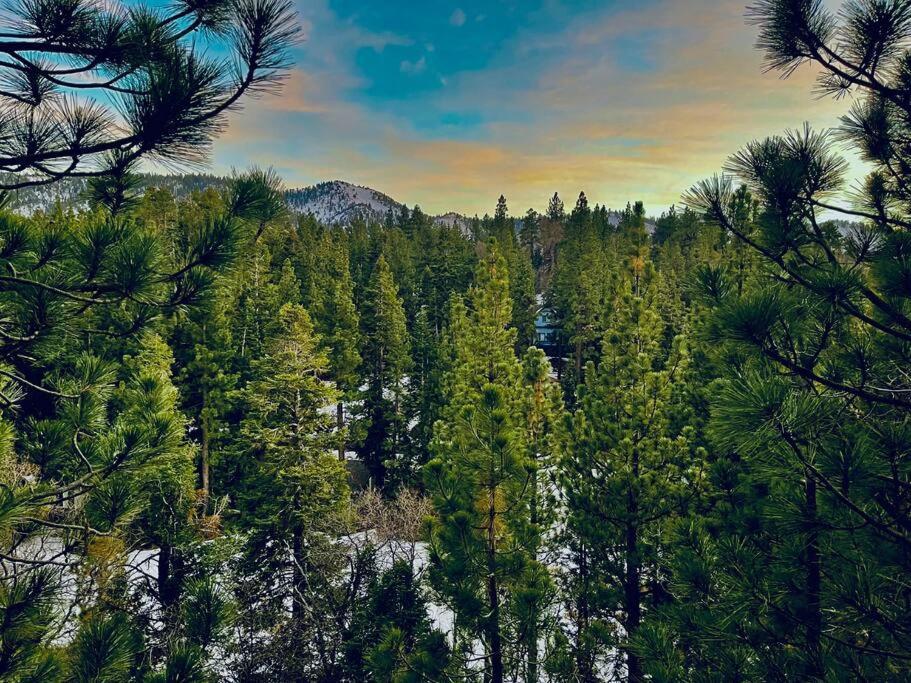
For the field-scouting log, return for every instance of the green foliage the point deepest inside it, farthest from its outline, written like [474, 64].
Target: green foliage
[28, 609]
[480, 552]
[392, 640]
[706, 481]
[104, 650]
[633, 469]
[809, 423]
[387, 358]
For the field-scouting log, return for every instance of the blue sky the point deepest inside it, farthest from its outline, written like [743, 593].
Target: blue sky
[448, 104]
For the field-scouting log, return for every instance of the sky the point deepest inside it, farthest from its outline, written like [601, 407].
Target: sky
[448, 104]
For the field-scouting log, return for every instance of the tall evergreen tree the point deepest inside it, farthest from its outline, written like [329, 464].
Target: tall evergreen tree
[480, 475]
[555, 210]
[529, 235]
[503, 227]
[386, 361]
[338, 326]
[295, 489]
[545, 439]
[206, 378]
[631, 470]
[813, 416]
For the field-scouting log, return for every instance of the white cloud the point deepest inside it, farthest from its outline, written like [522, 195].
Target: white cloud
[413, 68]
[458, 17]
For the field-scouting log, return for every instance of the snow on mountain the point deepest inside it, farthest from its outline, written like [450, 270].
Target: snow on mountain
[339, 203]
[70, 192]
[334, 202]
[614, 218]
[455, 220]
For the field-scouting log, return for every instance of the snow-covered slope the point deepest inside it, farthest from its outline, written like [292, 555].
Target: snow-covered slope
[455, 220]
[332, 203]
[70, 192]
[614, 218]
[338, 203]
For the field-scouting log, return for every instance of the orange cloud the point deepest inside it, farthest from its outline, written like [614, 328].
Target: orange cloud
[589, 124]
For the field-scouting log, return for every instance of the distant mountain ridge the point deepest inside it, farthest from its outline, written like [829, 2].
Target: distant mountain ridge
[334, 202]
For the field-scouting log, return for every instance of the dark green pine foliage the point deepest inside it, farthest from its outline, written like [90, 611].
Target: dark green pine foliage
[812, 420]
[631, 471]
[522, 280]
[530, 236]
[535, 607]
[387, 360]
[580, 220]
[425, 397]
[203, 338]
[446, 259]
[257, 299]
[156, 87]
[337, 322]
[295, 490]
[99, 419]
[579, 296]
[503, 227]
[555, 210]
[481, 546]
[524, 297]
[392, 640]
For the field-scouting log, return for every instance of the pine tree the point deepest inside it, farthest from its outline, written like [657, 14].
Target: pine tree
[258, 297]
[177, 98]
[424, 397]
[813, 411]
[579, 221]
[481, 471]
[386, 361]
[524, 297]
[337, 323]
[555, 211]
[295, 489]
[391, 637]
[545, 439]
[579, 295]
[629, 473]
[206, 379]
[503, 227]
[529, 236]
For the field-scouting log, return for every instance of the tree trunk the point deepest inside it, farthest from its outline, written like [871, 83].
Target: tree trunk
[164, 574]
[631, 598]
[584, 663]
[631, 588]
[340, 425]
[297, 579]
[169, 580]
[494, 644]
[531, 675]
[205, 437]
[532, 670]
[297, 573]
[579, 361]
[204, 446]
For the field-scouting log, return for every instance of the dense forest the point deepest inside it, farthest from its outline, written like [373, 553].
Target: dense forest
[237, 444]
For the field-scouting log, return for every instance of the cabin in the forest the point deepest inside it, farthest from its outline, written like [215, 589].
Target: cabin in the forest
[547, 332]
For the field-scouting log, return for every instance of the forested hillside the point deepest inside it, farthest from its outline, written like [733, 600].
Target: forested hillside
[240, 443]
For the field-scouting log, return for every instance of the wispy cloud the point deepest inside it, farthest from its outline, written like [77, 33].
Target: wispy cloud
[625, 104]
[418, 66]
